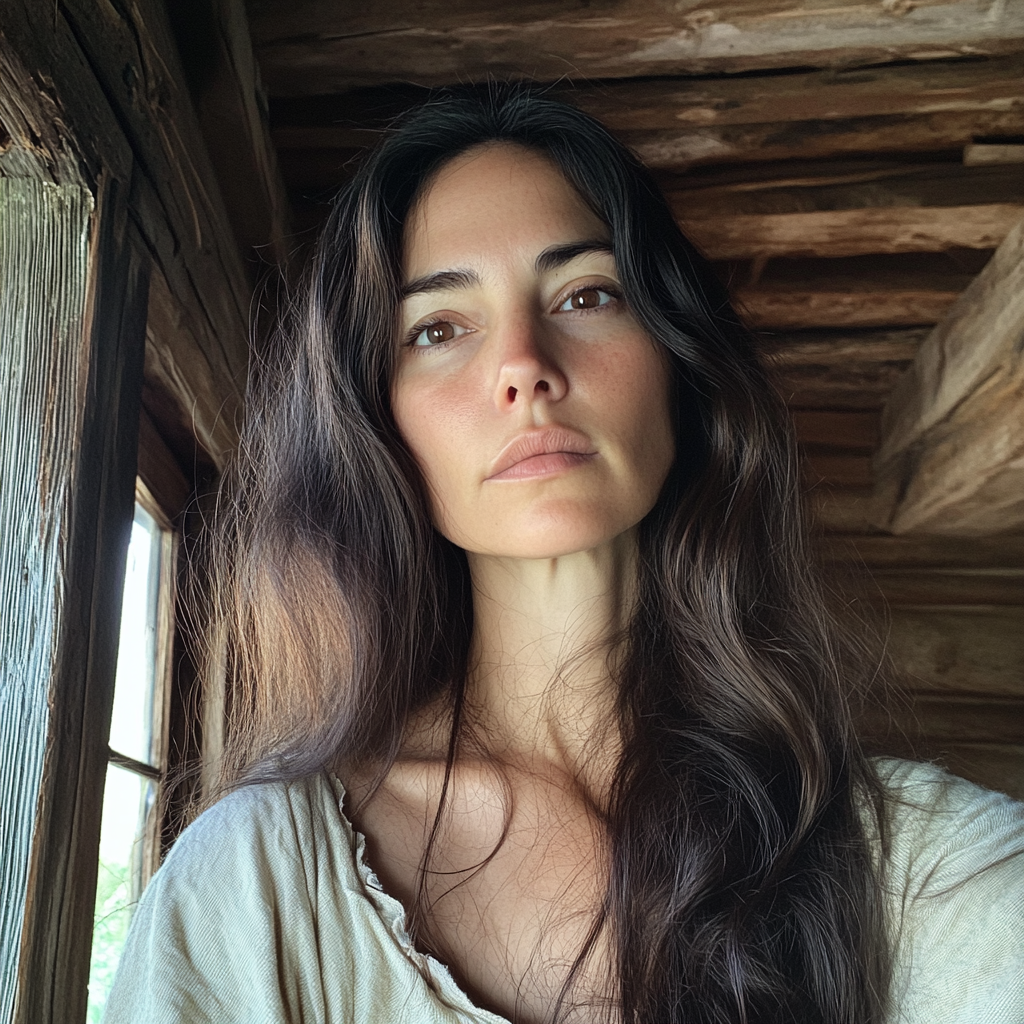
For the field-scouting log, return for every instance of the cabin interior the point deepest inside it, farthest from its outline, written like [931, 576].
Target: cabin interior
[854, 170]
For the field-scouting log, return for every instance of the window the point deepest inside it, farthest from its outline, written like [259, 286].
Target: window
[137, 760]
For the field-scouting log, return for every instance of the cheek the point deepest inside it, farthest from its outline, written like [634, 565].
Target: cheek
[434, 422]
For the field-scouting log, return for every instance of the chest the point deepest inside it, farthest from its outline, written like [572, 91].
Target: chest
[513, 889]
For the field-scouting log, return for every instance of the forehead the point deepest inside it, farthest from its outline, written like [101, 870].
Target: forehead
[497, 201]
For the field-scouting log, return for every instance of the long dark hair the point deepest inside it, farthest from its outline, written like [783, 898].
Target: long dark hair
[742, 886]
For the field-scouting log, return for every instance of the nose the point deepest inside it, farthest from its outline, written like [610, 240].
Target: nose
[527, 370]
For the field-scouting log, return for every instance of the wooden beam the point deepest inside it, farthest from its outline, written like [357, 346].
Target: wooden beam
[884, 551]
[840, 370]
[846, 209]
[952, 454]
[852, 232]
[968, 650]
[232, 116]
[836, 429]
[318, 47]
[860, 291]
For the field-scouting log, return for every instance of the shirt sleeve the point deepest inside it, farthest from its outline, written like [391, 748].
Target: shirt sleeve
[205, 944]
[956, 878]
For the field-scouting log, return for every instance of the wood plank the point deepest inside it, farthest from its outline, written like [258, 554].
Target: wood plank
[977, 740]
[836, 428]
[952, 455]
[954, 588]
[832, 185]
[857, 291]
[840, 509]
[681, 148]
[852, 232]
[44, 270]
[790, 309]
[232, 116]
[885, 551]
[161, 472]
[839, 370]
[967, 650]
[837, 470]
[316, 47]
[184, 381]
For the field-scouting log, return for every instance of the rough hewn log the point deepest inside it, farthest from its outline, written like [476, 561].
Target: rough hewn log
[952, 453]
[832, 185]
[318, 47]
[853, 232]
[793, 309]
[840, 370]
[934, 87]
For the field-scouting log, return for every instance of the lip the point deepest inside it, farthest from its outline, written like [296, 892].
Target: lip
[536, 453]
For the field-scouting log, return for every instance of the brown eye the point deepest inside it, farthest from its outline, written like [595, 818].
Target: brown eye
[586, 298]
[440, 332]
[437, 334]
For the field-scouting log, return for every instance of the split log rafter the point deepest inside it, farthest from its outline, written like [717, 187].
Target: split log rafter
[952, 453]
[316, 47]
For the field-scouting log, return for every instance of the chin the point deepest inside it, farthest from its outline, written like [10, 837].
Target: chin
[545, 540]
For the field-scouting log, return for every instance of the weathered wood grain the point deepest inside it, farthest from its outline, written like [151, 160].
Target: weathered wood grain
[795, 309]
[835, 185]
[319, 47]
[949, 587]
[952, 452]
[840, 509]
[178, 365]
[840, 370]
[852, 232]
[53, 974]
[44, 263]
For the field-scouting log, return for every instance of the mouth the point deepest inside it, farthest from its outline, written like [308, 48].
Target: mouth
[542, 453]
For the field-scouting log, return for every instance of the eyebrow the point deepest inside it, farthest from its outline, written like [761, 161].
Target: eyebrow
[552, 258]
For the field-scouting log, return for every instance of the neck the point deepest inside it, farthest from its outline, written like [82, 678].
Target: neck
[540, 683]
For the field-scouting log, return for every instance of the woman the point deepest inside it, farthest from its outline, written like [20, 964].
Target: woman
[514, 582]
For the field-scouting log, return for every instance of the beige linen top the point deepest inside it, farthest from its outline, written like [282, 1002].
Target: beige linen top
[265, 912]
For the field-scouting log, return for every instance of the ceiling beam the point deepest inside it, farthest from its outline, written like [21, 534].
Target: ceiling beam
[318, 46]
[213, 39]
[951, 459]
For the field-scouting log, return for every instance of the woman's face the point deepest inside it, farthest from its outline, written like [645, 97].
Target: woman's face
[536, 407]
